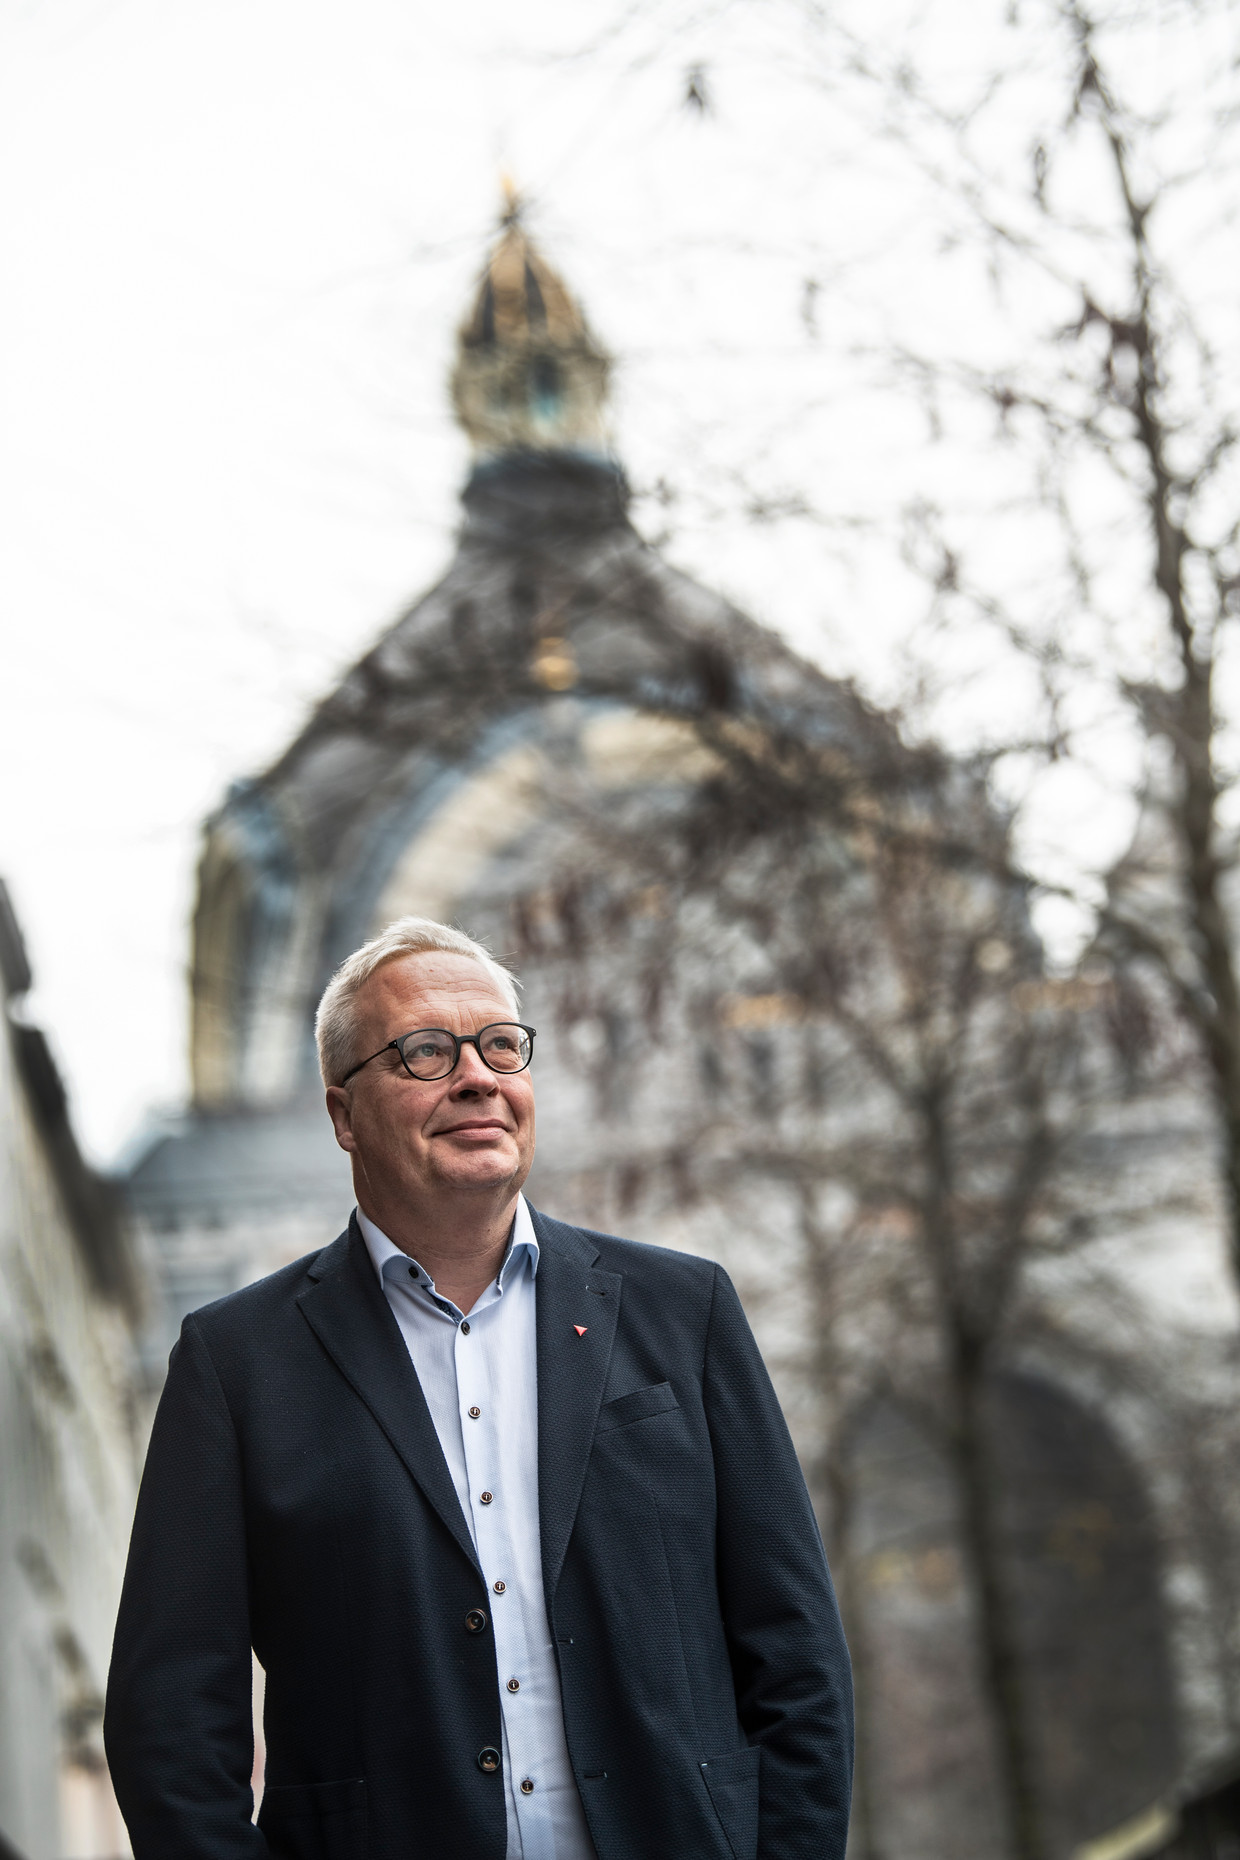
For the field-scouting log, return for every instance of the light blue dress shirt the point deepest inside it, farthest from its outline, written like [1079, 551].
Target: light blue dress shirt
[480, 1379]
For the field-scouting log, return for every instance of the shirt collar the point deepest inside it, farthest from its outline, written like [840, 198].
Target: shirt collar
[387, 1258]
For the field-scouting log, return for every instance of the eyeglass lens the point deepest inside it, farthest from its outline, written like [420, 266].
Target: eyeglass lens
[430, 1053]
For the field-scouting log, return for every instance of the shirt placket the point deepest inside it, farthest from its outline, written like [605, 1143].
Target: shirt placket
[479, 1387]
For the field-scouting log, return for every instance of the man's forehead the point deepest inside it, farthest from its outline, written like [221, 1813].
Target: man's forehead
[430, 976]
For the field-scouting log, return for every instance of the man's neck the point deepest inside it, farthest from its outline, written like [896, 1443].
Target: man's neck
[461, 1244]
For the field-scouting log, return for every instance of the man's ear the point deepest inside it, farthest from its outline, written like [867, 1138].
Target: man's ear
[340, 1110]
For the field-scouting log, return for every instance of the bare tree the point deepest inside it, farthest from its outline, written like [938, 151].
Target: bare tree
[1193, 563]
[1122, 403]
[844, 951]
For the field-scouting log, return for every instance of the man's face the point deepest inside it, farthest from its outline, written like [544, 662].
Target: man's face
[473, 1130]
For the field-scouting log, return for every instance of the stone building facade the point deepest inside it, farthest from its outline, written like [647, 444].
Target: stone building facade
[69, 1314]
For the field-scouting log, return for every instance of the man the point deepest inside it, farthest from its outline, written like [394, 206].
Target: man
[507, 1510]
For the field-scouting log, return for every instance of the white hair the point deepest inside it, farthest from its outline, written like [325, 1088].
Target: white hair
[335, 1024]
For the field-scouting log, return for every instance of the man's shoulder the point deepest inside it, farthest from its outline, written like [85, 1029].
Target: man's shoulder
[258, 1302]
[639, 1259]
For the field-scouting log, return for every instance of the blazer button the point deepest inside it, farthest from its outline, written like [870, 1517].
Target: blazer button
[475, 1620]
[488, 1759]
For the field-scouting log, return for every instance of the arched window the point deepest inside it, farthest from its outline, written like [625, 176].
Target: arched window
[1083, 1577]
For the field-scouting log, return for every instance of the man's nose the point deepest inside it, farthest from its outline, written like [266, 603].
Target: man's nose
[471, 1074]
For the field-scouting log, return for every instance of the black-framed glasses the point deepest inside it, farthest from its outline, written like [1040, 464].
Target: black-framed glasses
[432, 1052]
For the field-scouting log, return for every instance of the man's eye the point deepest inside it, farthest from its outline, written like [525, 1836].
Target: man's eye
[425, 1049]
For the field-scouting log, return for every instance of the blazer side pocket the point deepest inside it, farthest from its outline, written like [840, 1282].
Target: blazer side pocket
[732, 1784]
[638, 1406]
[315, 1821]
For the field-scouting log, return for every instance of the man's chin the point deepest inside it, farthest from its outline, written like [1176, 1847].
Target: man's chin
[481, 1170]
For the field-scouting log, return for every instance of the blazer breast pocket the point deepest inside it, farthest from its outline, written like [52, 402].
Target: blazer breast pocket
[639, 1406]
[315, 1821]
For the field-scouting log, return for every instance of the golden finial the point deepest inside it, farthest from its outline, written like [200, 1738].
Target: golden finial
[529, 376]
[513, 203]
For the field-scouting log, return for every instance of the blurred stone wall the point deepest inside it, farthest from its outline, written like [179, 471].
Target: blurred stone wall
[67, 1453]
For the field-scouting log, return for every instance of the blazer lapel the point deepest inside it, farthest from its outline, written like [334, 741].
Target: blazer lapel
[572, 1373]
[353, 1321]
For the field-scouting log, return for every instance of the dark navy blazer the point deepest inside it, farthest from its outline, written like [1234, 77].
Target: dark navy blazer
[296, 1499]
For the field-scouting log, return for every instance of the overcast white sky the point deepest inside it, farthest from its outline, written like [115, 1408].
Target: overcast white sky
[235, 239]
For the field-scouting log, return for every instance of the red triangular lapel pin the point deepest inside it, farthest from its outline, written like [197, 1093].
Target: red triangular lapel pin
[580, 1329]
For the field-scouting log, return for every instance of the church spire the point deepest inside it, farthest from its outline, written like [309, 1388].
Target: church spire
[529, 374]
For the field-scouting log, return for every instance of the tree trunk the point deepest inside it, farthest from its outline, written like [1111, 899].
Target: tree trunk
[975, 1467]
[1196, 825]
[831, 1477]
[1194, 722]
[864, 1840]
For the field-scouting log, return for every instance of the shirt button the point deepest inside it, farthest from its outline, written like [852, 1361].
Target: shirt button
[465, 1327]
[488, 1760]
[486, 1497]
[500, 1587]
[527, 1787]
[514, 1685]
[475, 1620]
[474, 1413]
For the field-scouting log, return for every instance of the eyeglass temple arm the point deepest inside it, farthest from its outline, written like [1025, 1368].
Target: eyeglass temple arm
[365, 1062]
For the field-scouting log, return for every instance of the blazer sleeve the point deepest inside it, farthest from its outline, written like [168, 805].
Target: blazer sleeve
[178, 1727]
[789, 1658]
